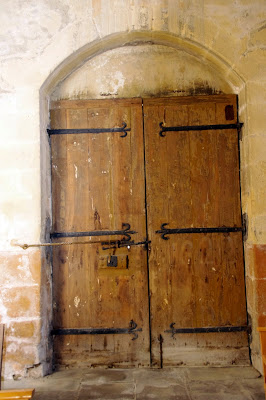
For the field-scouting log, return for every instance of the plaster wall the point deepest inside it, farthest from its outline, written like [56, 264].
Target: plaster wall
[94, 49]
[141, 71]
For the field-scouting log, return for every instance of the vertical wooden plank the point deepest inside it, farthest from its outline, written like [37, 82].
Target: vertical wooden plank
[59, 194]
[204, 196]
[78, 262]
[157, 213]
[58, 153]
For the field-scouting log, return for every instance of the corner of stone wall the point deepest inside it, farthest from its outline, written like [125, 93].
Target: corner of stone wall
[24, 299]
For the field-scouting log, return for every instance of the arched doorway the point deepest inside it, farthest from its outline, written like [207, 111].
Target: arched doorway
[158, 357]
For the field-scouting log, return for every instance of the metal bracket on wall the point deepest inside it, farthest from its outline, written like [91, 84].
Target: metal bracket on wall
[122, 129]
[210, 329]
[125, 232]
[222, 229]
[131, 330]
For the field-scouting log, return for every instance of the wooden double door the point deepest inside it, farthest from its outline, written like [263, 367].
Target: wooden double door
[146, 206]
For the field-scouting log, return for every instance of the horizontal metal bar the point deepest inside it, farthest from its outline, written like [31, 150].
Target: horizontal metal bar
[106, 245]
[221, 229]
[89, 331]
[118, 244]
[218, 329]
[131, 330]
[25, 246]
[126, 232]
[123, 130]
[237, 126]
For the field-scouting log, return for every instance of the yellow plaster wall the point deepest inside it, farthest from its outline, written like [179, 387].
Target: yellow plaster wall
[42, 42]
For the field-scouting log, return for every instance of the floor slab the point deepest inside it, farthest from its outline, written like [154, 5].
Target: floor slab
[235, 383]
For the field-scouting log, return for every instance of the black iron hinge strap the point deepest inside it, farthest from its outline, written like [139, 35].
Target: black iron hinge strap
[125, 232]
[237, 126]
[131, 330]
[222, 229]
[218, 329]
[122, 129]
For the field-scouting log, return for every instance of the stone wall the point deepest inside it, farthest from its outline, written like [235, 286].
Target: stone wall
[56, 48]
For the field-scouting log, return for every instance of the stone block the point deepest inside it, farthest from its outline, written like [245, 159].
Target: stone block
[167, 392]
[25, 354]
[249, 261]
[257, 144]
[262, 320]
[261, 299]
[20, 268]
[255, 338]
[258, 184]
[245, 181]
[256, 120]
[257, 233]
[108, 391]
[260, 261]
[251, 295]
[24, 330]
[21, 302]
[256, 93]
[252, 63]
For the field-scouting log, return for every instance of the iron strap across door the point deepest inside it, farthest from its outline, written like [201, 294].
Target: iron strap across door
[125, 232]
[221, 229]
[210, 329]
[131, 330]
[237, 126]
[122, 129]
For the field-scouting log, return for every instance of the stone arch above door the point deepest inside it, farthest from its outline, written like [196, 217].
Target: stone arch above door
[209, 73]
[141, 71]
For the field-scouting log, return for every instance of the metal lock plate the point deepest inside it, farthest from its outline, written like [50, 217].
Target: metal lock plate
[113, 262]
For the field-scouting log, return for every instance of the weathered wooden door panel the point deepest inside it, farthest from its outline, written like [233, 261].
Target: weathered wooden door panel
[98, 168]
[91, 296]
[98, 184]
[196, 279]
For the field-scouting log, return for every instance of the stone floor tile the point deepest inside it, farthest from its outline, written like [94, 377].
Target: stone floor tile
[69, 373]
[169, 392]
[253, 387]
[108, 391]
[229, 373]
[48, 383]
[107, 375]
[210, 390]
[234, 383]
[159, 376]
[52, 395]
